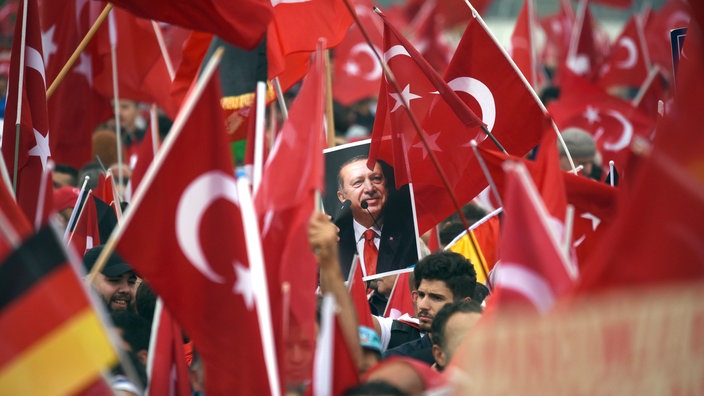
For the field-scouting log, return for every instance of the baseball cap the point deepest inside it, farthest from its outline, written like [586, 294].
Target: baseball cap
[65, 197]
[369, 339]
[113, 267]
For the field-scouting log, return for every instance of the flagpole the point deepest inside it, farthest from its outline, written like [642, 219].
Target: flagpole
[473, 227]
[41, 199]
[164, 51]
[76, 207]
[183, 115]
[77, 53]
[20, 95]
[153, 334]
[411, 191]
[89, 196]
[8, 231]
[280, 98]
[6, 176]
[646, 85]
[328, 100]
[487, 174]
[259, 115]
[112, 30]
[259, 283]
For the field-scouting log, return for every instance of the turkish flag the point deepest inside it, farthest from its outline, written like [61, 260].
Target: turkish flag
[448, 13]
[240, 23]
[356, 70]
[652, 243]
[15, 217]
[522, 48]
[141, 69]
[612, 122]
[651, 92]
[187, 214]
[86, 233]
[584, 56]
[75, 109]
[533, 271]
[284, 204]
[629, 62]
[673, 14]
[33, 146]
[615, 3]
[429, 37]
[558, 31]
[168, 373]
[489, 84]
[358, 291]
[400, 300]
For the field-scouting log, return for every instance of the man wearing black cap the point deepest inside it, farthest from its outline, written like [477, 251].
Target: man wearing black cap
[116, 283]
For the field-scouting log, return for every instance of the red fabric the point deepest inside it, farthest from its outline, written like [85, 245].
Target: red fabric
[507, 106]
[240, 23]
[141, 69]
[672, 15]
[145, 155]
[523, 48]
[558, 31]
[629, 62]
[34, 136]
[189, 217]
[400, 300]
[611, 121]
[429, 38]
[65, 197]
[75, 108]
[357, 71]
[448, 13]
[654, 91]
[284, 203]
[194, 49]
[344, 368]
[16, 218]
[615, 3]
[169, 373]
[583, 57]
[328, 19]
[358, 291]
[658, 206]
[532, 272]
[86, 233]
[371, 253]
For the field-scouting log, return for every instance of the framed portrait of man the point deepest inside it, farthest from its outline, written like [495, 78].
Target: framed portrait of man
[375, 219]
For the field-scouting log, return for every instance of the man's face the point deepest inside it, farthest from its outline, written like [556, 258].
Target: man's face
[361, 184]
[430, 297]
[61, 179]
[117, 291]
[128, 113]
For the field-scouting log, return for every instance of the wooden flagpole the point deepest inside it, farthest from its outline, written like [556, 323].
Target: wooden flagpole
[77, 53]
[329, 115]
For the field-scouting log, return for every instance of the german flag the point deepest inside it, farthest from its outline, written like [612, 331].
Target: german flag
[51, 340]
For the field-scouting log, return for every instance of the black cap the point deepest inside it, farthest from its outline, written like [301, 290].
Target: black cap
[113, 267]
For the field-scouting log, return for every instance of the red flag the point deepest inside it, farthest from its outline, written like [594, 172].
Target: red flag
[429, 37]
[667, 238]
[615, 3]
[86, 233]
[448, 13]
[400, 300]
[611, 121]
[652, 91]
[533, 270]
[558, 32]
[506, 105]
[357, 71]
[141, 69]
[242, 23]
[522, 47]
[284, 204]
[145, 155]
[168, 374]
[15, 217]
[672, 15]
[327, 19]
[583, 57]
[187, 214]
[629, 62]
[358, 290]
[33, 145]
[75, 109]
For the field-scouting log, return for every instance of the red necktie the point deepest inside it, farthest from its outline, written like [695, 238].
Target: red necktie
[370, 252]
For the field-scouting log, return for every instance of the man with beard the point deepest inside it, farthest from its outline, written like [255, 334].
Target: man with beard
[441, 278]
[116, 284]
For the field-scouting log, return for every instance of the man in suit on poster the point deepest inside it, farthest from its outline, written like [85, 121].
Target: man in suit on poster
[371, 212]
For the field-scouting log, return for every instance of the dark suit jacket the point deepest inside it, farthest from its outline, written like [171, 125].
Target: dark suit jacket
[397, 247]
[420, 349]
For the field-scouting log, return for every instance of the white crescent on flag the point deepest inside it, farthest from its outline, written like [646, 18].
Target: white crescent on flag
[195, 200]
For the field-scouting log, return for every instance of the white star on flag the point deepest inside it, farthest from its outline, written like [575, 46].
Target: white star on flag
[591, 114]
[41, 150]
[432, 143]
[85, 67]
[244, 284]
[406, 95]
[595, 220]
[48, 44]
[352, 68]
